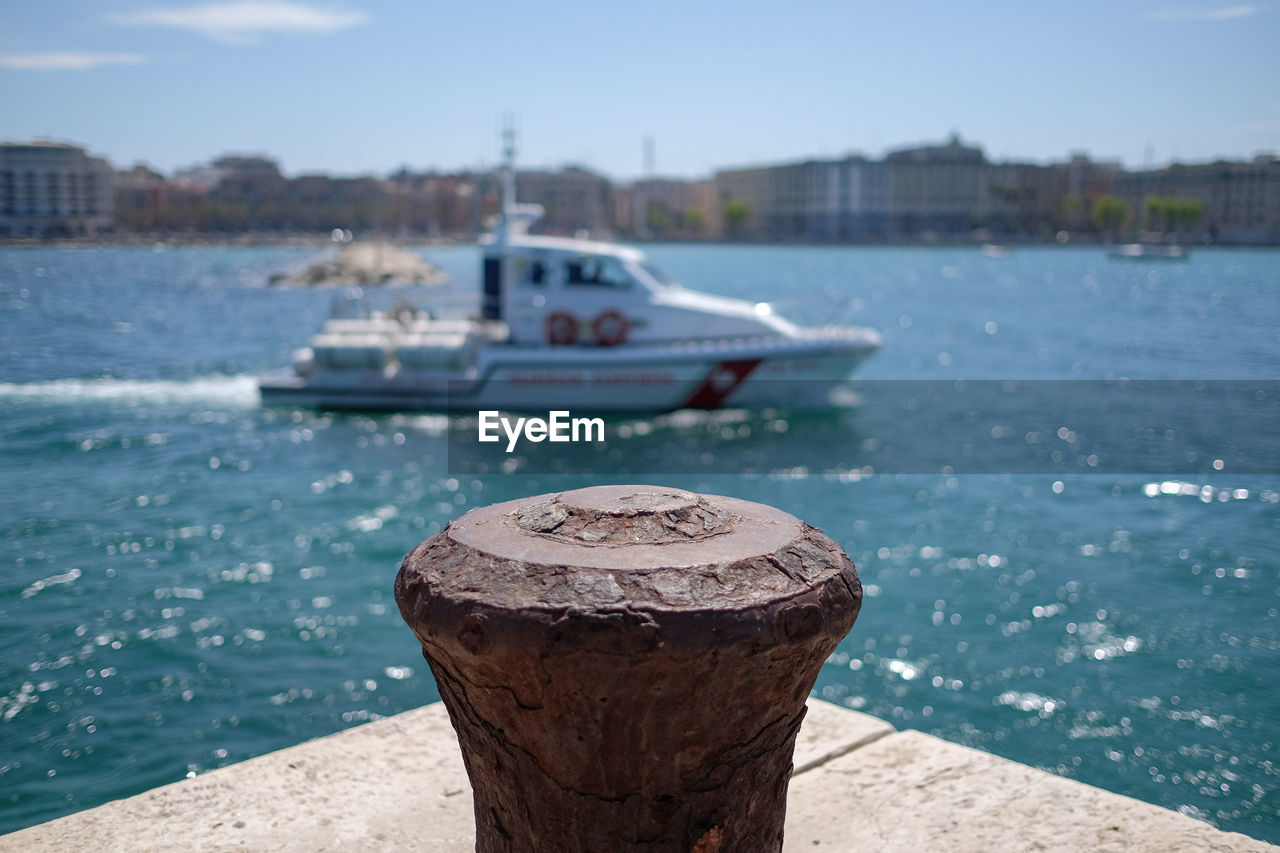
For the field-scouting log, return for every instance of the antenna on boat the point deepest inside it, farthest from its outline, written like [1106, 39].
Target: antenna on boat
[508, 175]
[516, 218]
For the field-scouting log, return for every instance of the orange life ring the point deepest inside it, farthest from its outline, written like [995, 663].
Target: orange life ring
[610, 328]
[562, 328]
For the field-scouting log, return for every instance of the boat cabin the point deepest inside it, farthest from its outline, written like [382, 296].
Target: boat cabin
[555, 291]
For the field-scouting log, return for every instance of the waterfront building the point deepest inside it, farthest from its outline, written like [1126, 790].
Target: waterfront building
[201, 178]
[812, 201]
[1239, 201]
[620, 211]
[803, 196]
[863, 213]
[322, 203]
[52, 189]
[246, 175]
[141, 199]
[934, 192]
[937, 191]
[240, 192]
[943, 192]
[249, 192]
[929, 192]
[1023, 200]
[745, 200]
[703, 198]
[435, 204]
[664, 208]
[573, 198]
[1077, 185]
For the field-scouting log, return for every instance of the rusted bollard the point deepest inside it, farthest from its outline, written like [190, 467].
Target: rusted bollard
[627, 666]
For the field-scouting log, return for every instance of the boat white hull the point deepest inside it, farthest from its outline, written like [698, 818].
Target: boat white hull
[1149, 252]
[658, 378]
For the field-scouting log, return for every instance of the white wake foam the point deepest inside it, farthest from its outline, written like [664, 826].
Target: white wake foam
[224, 390]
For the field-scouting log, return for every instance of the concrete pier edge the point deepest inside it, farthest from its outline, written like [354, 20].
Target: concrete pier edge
[399, 783]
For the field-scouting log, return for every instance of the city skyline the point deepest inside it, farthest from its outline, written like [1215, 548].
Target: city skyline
[365, 88]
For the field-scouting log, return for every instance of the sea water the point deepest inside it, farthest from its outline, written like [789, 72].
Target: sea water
[189, 579]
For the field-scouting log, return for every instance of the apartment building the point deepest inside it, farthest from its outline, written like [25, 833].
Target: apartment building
[946, 192]
[142, 197]
[573, 198]
[812, 201]
[435, 204]
[937, 191]
[745, 199]
[52, 189]
[864, 208]
[665, 208]
[1240, 201]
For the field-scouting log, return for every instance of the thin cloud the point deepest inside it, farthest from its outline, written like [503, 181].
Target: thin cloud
[244, 21]
[67, 60]
[1222, 13]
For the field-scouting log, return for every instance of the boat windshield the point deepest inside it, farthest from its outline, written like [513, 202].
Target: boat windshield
[655, 272]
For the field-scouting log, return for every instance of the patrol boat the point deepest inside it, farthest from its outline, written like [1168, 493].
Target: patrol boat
[572, 324]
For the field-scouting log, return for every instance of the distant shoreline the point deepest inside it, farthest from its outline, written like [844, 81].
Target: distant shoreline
[213, 240]
[321, 241]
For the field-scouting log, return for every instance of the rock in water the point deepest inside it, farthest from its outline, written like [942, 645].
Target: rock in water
[364, 264]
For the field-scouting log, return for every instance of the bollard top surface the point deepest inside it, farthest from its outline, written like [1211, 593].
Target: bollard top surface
[628, 547]
[626, 528]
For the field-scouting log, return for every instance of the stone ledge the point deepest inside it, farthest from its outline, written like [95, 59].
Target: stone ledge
[394, 784]
[399, 784]
[911, 791]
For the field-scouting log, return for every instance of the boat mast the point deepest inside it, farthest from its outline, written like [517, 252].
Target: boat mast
[497, 284]
[496, 269]
[508, 180]
[499, 268]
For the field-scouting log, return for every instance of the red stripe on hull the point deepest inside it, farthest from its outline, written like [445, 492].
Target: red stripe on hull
[719, 384]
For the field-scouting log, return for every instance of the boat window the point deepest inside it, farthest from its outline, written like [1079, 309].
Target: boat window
[529, 271]
[492, 305]
[597, 272]
[655, 272]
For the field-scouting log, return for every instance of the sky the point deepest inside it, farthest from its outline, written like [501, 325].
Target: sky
[350, 87]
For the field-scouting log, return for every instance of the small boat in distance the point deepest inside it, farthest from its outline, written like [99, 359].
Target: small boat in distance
[572, 324]
[1149, 252]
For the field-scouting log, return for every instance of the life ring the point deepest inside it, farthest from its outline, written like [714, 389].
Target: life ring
[562, 328]
[610, 328]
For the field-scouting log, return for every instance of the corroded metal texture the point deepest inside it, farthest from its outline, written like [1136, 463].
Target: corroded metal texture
[627, 666]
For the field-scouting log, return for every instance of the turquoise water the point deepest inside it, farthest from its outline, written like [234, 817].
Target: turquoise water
[188, 579]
